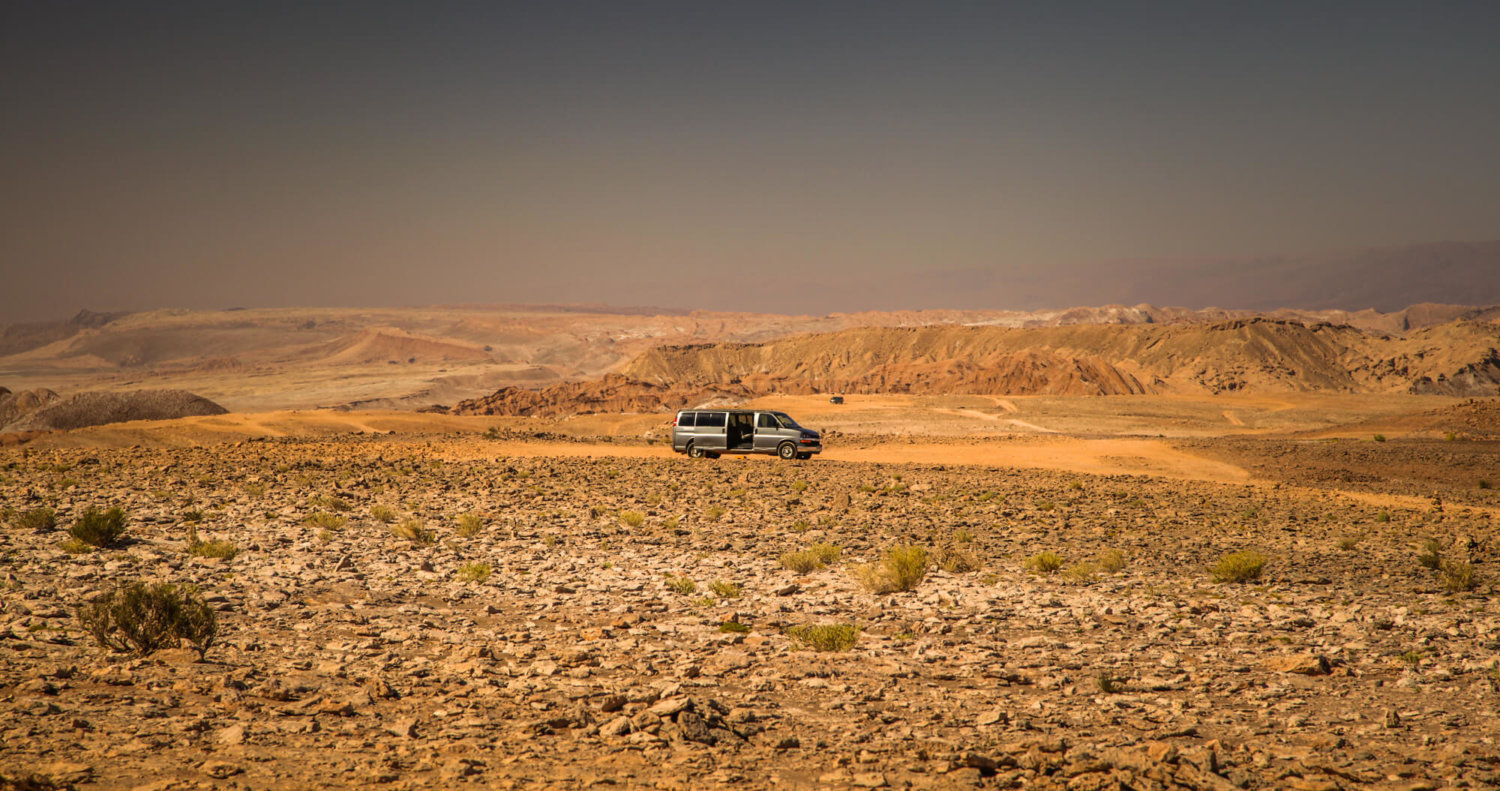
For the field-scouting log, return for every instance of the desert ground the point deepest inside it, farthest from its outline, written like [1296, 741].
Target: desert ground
[420, 600]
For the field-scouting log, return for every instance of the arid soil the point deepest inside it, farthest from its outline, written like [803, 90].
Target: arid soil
[349, 656]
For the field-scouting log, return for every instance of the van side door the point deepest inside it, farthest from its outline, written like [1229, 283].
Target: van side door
[768, 433]
[709, 433]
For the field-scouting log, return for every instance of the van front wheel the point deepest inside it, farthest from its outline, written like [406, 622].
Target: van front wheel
[787, 451]
[694, 452]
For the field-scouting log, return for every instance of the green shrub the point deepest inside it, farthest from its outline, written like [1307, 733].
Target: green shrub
[41, 520]
[1239, 567]
[475, 572]
[1382, 516]
[632, 518]
[413, 531]
[469, 525]
[1380, 438]
[99, 528]
[682, 585]
[142, 618]
[825, 637]
[901, 569]
[733, 627]
[725, 590]
[1044, 562]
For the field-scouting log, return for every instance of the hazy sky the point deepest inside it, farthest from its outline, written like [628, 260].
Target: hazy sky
[759, 156]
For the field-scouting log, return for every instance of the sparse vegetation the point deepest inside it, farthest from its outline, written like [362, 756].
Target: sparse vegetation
[682, 585]
[1382, 516]
[958, 559]
[476, 571]
[828, 553]
[40, 520]
[329, 503]
[383, 514]
[1110, 561]
[412, 530]
[99, 528]
[725, 590]
[1046, 562]
[825, 637]
[1108, 683]
[632, 519]
[713, 513]
[1430, 554]
[1244, 566]
[802, 561]
[900, 569]
[1379, 438]
[142, 618]
[222, 550]
[733, 627]
[1484, 483]
[325, 520]
[1349, 542]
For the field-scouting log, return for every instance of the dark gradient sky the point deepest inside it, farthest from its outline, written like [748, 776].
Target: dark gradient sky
[757, 156]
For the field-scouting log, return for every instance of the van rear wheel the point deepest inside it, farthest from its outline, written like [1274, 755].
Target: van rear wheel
[694, 452]
[787, 451]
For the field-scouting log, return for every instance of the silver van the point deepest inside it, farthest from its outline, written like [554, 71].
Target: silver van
[710, 432]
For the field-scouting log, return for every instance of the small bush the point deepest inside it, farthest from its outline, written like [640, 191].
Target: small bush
[413, 531]
[41, 520]
[1046, 505]
[1349, 542]
[256, 489]
[828, 553]
[475, 572]
[632, 519]
[733, 627]
[802, 562]
[901, 569]
[1044, 562]
[1430, 554]
[142, 618]
[958, 560]
[1458, 577]
[725, 590]
[330, 503]
[1450, 437]
[825, 637]
[1380, 438]
[714, 512]
[1239, 567]
[801, 526]
[469, 525]
[383, 514]
[1484, 483]
[99, 528]
[1111, 561]
[75, 547]
[1108, 684]
[223, 550]
[1382, 516]
[1080, 572]
[325, 520]
[682, 585]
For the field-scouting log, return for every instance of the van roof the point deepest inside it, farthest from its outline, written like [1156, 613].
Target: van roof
[725, 409]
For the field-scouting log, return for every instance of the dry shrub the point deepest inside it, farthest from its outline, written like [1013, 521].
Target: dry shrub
[413, 531]
[475, 572]
[224, 550]
[383, 514]
[1044, 562]
[469, 525]
[725, 590]
[1110, 561]
[958, 560]
[632, 518]
[901, 569]
[1459, 577]
[1239, 567]
[802, 562]
[41, 520]
[141, 618]
[1430, 554]
[325, 520]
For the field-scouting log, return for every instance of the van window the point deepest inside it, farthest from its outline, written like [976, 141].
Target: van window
[686, 418]
[767, 420]
[712, 418]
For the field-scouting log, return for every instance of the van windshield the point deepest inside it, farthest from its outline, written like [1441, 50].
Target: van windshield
[786, 420]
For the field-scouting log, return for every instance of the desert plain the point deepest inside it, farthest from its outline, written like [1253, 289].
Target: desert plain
[438, 599]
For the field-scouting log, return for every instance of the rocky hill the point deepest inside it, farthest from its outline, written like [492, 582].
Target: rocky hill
[1260, 355]
[29, 411]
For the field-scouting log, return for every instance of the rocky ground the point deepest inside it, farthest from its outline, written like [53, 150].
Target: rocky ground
[351, 656]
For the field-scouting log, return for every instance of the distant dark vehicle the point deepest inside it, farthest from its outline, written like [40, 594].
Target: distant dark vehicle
[836, 400]
[710, 432]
